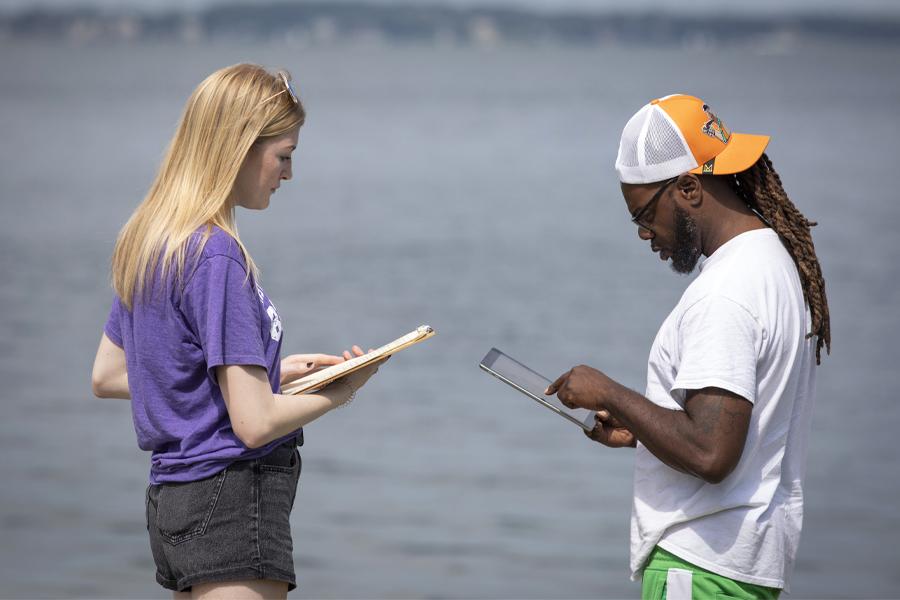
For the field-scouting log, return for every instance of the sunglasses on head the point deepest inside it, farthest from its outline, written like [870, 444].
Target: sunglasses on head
[289, 87]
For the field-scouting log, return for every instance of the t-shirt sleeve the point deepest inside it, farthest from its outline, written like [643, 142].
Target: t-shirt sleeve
[719, 342]
[222, 309]
[113, 327]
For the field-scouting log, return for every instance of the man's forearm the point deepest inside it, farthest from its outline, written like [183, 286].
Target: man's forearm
[706, 439]
[671, 435]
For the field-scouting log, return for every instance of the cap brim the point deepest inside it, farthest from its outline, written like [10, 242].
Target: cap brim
[742, 151]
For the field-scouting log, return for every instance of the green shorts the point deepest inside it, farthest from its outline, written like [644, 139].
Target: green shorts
[667, 577]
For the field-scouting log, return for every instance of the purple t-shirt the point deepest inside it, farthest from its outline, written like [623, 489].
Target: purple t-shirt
[174, 341]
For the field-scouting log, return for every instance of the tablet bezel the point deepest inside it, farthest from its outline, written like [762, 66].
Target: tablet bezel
[492, 356]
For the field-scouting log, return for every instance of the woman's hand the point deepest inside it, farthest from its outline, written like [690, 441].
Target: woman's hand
[357, 351]
[296, 366]
[344, 389]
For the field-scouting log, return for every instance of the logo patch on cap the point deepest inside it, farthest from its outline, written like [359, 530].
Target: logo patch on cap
[708, 166]
[714, 127]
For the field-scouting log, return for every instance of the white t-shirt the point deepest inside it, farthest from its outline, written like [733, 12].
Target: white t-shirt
[741, 326]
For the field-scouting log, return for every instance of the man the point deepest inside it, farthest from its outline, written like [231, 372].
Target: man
[721, 432]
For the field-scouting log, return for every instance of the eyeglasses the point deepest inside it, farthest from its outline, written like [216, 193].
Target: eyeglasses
[637, 218]
[289, 86]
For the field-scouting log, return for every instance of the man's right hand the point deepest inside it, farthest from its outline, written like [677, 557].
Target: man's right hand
[610, 432]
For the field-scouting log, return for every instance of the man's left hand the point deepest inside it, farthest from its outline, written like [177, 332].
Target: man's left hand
[609, 431]
[584, 387]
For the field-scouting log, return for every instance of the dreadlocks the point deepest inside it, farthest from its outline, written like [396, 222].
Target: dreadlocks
[760, 187]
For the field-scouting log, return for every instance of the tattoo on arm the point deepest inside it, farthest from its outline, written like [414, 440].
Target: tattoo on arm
[707, 416]
[718, 412]
[720, 424]
[732, 425]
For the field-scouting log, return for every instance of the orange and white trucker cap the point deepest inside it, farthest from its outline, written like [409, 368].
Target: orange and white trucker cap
[680, 134]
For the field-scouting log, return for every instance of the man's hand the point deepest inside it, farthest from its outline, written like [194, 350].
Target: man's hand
[584, 387]
[609, 431]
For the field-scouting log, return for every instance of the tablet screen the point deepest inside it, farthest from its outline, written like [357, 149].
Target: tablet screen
[532, 384]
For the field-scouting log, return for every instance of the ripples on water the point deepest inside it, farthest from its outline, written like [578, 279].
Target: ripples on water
[471, 189]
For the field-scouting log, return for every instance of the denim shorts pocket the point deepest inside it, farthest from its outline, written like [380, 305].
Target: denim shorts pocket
[280, 472]
[183, 510]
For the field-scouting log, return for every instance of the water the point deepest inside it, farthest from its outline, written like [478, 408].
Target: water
[470, 189]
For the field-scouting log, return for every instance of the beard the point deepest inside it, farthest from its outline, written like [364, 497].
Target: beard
[687, 248]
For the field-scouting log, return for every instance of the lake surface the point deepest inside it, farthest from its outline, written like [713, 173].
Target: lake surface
[471, 189]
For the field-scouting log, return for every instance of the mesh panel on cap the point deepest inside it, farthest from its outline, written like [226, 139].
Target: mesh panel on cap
[630, 157]
[651, 148]
[627, 158]
[662, 143]
[628, 147]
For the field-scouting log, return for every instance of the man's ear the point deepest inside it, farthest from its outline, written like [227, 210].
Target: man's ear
[689, 191]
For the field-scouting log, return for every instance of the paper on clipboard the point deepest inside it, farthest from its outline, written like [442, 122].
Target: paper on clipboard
[322, 378]
[513, 373]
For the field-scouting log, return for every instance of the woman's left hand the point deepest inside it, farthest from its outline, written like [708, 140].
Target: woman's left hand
[296, 366]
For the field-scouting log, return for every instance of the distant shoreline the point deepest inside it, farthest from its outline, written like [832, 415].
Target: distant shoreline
[320, 21]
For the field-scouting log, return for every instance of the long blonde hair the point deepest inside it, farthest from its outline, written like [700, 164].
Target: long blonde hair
[229, 111]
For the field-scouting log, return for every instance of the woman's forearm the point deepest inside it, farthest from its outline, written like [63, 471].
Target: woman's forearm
[284, 414]
[258, 416]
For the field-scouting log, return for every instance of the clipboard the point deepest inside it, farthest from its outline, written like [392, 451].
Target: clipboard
[532, 384]
[320, 379]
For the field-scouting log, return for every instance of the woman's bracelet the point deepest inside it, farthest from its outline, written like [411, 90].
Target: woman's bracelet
[352, 394]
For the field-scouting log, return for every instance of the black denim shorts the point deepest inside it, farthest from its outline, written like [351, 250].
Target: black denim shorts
[232, 526]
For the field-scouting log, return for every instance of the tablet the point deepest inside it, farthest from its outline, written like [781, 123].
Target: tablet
[530, 383]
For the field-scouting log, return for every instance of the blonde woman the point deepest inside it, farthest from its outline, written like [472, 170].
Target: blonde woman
[194, 341]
